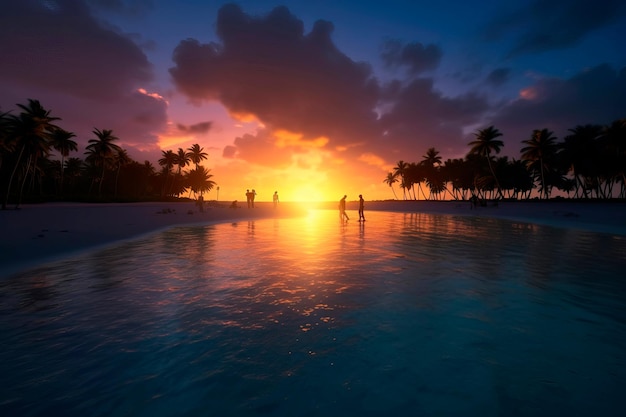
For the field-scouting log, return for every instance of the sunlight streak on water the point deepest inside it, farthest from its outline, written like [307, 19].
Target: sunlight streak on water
[407, 314]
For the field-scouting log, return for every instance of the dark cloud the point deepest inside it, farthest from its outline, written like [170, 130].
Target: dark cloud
[84, 72]
[498, 77]
[420, 117]
[416, 57]
[126, 7]
[597, 96]
[202, 127]
[545, 25]
[60, 46]
[267, 66]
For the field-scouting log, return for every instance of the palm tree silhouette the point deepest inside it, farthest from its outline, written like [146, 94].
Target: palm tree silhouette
[486, 143]
[614, 144]
[121, 159]
[196, 154]
[102, 150]
[578, 154]
[539, 154]
[72, 169]
[61, 141]
[399, 171]
[199, 180]
[182, 160]
[431, 163]
[167, 161]
[30, 131]
[390, 180]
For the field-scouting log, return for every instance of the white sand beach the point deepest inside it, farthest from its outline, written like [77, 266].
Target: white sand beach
[42, 232]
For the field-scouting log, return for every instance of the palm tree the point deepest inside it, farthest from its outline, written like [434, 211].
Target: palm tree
[399, 171]
[61, 141]
[73, 168]
[486, 143]
[539, 155]
[432, 157]
[613, 145]
[199, 180]
[196, 154]
[102, 150]
[431, 163]
[415, 174]
[578, 154]
[167, 161]
[390, 180]
[182, 160]
[30, 131]
[121, 159]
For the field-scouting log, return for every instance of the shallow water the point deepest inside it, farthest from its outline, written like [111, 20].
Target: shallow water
[407, 314]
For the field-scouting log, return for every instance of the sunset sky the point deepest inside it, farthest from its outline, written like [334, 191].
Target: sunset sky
[314, 99]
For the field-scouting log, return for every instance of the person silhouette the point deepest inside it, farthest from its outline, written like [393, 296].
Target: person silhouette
[361, 207]
[275, 198]
[249, 198]
[200, 203]
[342, 208]
[252, 195]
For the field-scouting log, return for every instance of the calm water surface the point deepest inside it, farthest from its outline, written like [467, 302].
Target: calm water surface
[406, 315]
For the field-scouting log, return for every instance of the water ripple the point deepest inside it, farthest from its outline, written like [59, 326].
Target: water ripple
[411, 314]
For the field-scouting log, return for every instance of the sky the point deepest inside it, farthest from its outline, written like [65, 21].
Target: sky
[314, 99]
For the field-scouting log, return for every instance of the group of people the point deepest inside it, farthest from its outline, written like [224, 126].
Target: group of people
[251, 195]
[342, 208]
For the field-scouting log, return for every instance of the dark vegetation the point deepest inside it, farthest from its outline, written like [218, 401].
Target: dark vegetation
[589, 163]
[36, 166]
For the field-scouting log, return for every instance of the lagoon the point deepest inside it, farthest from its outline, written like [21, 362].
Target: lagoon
[406, 314]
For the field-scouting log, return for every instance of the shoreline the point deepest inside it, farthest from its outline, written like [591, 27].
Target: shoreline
[40, 233]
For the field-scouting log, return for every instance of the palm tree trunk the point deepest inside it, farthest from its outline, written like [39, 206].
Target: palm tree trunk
[494, 176]
[19, 197]
[6, 197]
[101, 181]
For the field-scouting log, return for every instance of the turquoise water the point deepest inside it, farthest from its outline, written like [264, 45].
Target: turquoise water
[405, 315]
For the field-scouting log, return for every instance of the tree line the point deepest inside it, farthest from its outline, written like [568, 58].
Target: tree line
[29, 171]
[590, 162]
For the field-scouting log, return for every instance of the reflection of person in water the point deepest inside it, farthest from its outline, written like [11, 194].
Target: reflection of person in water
[361, 207]
[342, 208]
[275, 199]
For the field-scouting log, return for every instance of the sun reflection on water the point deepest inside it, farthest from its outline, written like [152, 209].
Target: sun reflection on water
[242, 315]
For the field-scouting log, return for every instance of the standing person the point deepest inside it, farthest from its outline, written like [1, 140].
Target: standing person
[275, 199]
[361, 207]
[248, 198]
[342, 208]
[252, 195]
[201, 203]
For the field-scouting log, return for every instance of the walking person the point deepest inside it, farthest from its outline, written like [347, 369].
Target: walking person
[361, 207]
[342, 208]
